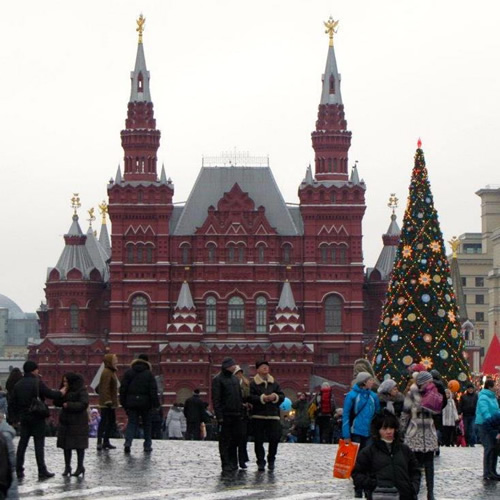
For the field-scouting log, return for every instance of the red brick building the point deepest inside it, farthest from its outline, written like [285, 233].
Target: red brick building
[235, 271]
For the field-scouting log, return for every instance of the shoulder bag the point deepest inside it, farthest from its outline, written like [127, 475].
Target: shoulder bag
[38, 408]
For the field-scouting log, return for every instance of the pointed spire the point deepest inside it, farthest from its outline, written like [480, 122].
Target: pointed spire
[118, 176]
[331, 78]
[286, 298]
[185, 300]
[354, 174]
[287, 319]
[140, 76]
[309, 176]
[184, 319]
[163, 175]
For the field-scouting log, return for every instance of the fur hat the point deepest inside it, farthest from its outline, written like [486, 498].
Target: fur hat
[423, 378]
[227, 363]
[386, 386]
[261, 362]
[29, 366]
[362, 377]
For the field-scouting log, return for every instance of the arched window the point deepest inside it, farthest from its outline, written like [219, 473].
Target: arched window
[261, 315]
[332, 197]
[241, 253]
[211, 253]
[139, 315]
[236, 315]
[140, 253]
[333, 252]
[185, 254]
[342, 254]
[74, 318]
[149, 254]
[333, 314]
[287, 253]
[130, 254]
[210, 315]
[230, 253]
[332, 84]
[324, 254]
[261, 254]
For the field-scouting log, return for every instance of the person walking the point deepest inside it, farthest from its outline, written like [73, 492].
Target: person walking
[227, 402]
[390, 398]
[243, 457]
[450, 420]
[139, 395]
[108, 402]
[467, 409]
[14, 376]
[302, 419]
[25, 390]
[265, 397]
[487, 406]
[73, 430]
[9, 433]
[175, 422]
[422, 401]
[194, 411]
[360, 406]
[325, 401]
[386, 463]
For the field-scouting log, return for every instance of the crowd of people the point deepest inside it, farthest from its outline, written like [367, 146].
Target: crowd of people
[398, 432]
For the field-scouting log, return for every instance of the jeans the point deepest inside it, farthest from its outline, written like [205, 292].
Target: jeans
[470, 432]
[107, 424]
[133, 426]
[270, 430]
[489, 453]
[35, 428]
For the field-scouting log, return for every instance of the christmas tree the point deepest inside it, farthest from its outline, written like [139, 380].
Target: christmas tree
[420, 321]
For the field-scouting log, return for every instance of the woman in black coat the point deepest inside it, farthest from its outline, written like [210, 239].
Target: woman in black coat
[73, 430]
[387, 463]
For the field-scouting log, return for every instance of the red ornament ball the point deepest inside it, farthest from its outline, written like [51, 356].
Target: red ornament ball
[453, 385]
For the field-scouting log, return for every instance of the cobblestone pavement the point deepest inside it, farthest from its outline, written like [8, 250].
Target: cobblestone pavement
[188, 470]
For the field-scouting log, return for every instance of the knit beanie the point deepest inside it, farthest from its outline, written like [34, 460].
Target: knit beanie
[423, 378]
[362, 377]
[386, 386]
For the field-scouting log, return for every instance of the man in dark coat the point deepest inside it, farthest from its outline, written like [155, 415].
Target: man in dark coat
[228, 407]
[467, 408]
[139, 395]
[265, 398]
[31, 425]
[194, 411]
[5, 468]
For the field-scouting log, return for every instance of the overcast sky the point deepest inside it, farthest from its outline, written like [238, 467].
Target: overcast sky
[229, 75]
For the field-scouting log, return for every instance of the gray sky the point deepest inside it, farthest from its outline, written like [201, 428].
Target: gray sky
[230, 74]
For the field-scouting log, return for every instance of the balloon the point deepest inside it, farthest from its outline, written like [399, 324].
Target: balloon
[453, 385]
[286, 405]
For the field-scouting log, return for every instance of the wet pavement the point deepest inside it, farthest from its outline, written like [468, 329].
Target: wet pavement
[188, 470]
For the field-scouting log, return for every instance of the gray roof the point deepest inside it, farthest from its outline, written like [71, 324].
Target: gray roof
[286, 297]
[213, 182]
[97, 253]
[385, 262]
[104, 240]
[140, 67]
[15, 312]
[75, 256]
[185, 300]
[331, 70]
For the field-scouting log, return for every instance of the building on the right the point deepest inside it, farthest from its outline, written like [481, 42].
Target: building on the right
[478, 258]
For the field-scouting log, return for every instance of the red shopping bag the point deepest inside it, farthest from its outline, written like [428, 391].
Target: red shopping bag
[345, 459]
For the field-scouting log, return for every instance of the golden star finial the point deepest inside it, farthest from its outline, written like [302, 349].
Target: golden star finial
[140, 26]
[91, 216]
[455, 244]
[103, 208]
[393, 202]
[75, 202]
[330, 26]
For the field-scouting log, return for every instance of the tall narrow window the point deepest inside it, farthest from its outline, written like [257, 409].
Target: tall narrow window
[324, 253]
[211, 253]
[74, 318]
[185, 254]
[333, 251]
[342, 254]
[210, 315]
[333, 314]
[230, 253]
[260, 254]
[139, 315]
[261, 315]
[236, 315]
[287, 253]
[241, 253]
[332, 84]
[149, 254]
[140, 253]
[130, 254]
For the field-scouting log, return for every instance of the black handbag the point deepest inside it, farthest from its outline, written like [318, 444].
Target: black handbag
[385, 493]
[38, 408]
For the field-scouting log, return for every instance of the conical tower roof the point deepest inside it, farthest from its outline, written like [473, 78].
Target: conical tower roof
[385, 261]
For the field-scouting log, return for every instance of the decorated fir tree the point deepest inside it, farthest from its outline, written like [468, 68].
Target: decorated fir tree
[420, 321]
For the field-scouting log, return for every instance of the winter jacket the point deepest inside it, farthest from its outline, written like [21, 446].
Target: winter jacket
[95, 420]
[22, 396]
[492, 424]
[108, 385]
[450, 414]
[391, 404]
[194, 410]
[363, 403]
[3, 403]
[138, 387]
[175, 423]
[487, 406]
[467, 404]
[73, 430]
[5, 467]
[325, 402]
[258, 389]
[383, 464]
[301, 407]
[417, 423]
[226, 395]
[9, 433]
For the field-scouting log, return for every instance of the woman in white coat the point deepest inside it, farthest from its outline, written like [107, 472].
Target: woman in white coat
[450, 420]
[176, 422]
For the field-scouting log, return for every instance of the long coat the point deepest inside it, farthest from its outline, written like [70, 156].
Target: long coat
[73, 430]
[175, 423]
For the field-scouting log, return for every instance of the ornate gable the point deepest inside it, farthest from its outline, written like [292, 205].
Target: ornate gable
[236, 215]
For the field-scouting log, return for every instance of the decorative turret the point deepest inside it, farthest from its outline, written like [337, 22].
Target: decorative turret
[457, 281]
[331, 140]
[140, 139]
[185, 319]
[287, 318]
[104, 235]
